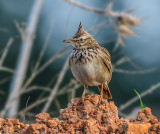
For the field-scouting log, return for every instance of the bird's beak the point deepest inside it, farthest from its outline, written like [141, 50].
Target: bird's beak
[67, 41]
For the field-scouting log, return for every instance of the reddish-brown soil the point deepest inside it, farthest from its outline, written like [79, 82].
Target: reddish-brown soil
[92, 117]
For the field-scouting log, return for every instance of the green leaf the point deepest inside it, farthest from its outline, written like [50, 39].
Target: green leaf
[142, 106]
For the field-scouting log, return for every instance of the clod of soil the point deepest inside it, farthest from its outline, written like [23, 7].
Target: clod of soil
[92, 117]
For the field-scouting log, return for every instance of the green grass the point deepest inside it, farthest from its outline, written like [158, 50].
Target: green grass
[142, 106]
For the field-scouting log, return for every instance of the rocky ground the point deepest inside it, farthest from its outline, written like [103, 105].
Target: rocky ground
[92, 117]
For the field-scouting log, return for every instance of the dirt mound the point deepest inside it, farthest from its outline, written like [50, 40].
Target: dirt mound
[91, 117]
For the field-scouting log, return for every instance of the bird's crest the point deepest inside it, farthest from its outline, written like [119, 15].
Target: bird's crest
[80, 31]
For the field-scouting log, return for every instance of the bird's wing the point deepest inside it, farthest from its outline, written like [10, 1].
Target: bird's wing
[106, 58]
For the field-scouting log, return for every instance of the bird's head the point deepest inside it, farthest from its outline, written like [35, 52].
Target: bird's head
[82, 39]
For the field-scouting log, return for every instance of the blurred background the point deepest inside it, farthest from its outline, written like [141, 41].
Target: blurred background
[44, 82]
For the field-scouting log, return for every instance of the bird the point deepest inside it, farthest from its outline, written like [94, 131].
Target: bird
[90, 63]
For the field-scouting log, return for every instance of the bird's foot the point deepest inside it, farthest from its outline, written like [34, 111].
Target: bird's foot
[83, 98]
[101, 99]
[83, 95]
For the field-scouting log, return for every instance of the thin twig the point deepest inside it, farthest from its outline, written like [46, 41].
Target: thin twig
[85, 7]
[50, 83]
[97, 27]
[107, 41]
[69, 90]
[33, 88]
[136, 98]
[68, 85]
[6, 69]
[25, 110]
[41, 69]
[10, 42]
[56, 86]
[118, 54]
[69, 96]
[20, 29]
[31, 78]
[4, 80]
[73, 93]
[118, 39]
[124, 60]
[121, 61]
[44, 47]
[134, 72]
[57, 104]
[33, 105]
[39, 101]
[116, 45]
[23, 59]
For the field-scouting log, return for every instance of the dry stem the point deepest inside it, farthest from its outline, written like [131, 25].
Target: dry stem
[85, 7]
[56, 86]
[23, 59]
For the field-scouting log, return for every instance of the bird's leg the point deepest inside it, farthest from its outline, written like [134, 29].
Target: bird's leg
[101, 91]
[83, 95]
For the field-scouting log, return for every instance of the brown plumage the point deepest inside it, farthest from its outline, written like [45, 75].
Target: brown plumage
[90, 63]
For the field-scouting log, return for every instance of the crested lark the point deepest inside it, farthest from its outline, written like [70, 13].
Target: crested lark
[90, 63]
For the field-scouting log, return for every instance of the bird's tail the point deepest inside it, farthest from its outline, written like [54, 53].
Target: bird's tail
[106, 91]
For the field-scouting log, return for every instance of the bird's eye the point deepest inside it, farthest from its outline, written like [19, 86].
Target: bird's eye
[81, 39]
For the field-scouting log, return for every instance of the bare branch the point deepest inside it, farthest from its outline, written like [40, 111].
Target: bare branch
[124, 60]
[73, 93]
[24, 58]
[25, 110]
[107, 41]
[57, 104]
[20, 29]
[4, 80]
[23, 92]
[6, 69]
[41, 69]
[69, 89]
[50, 83]
[39, 101]
[97, 27]
[118, 42]
[118, 54]
[33, 88]
[134, 72]
[58, 55]
[67, 86]
[121, 61]
[85, 7]
[56, 86]
[32, 105]
[10, 42]
[44, 48]
[143, 94]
